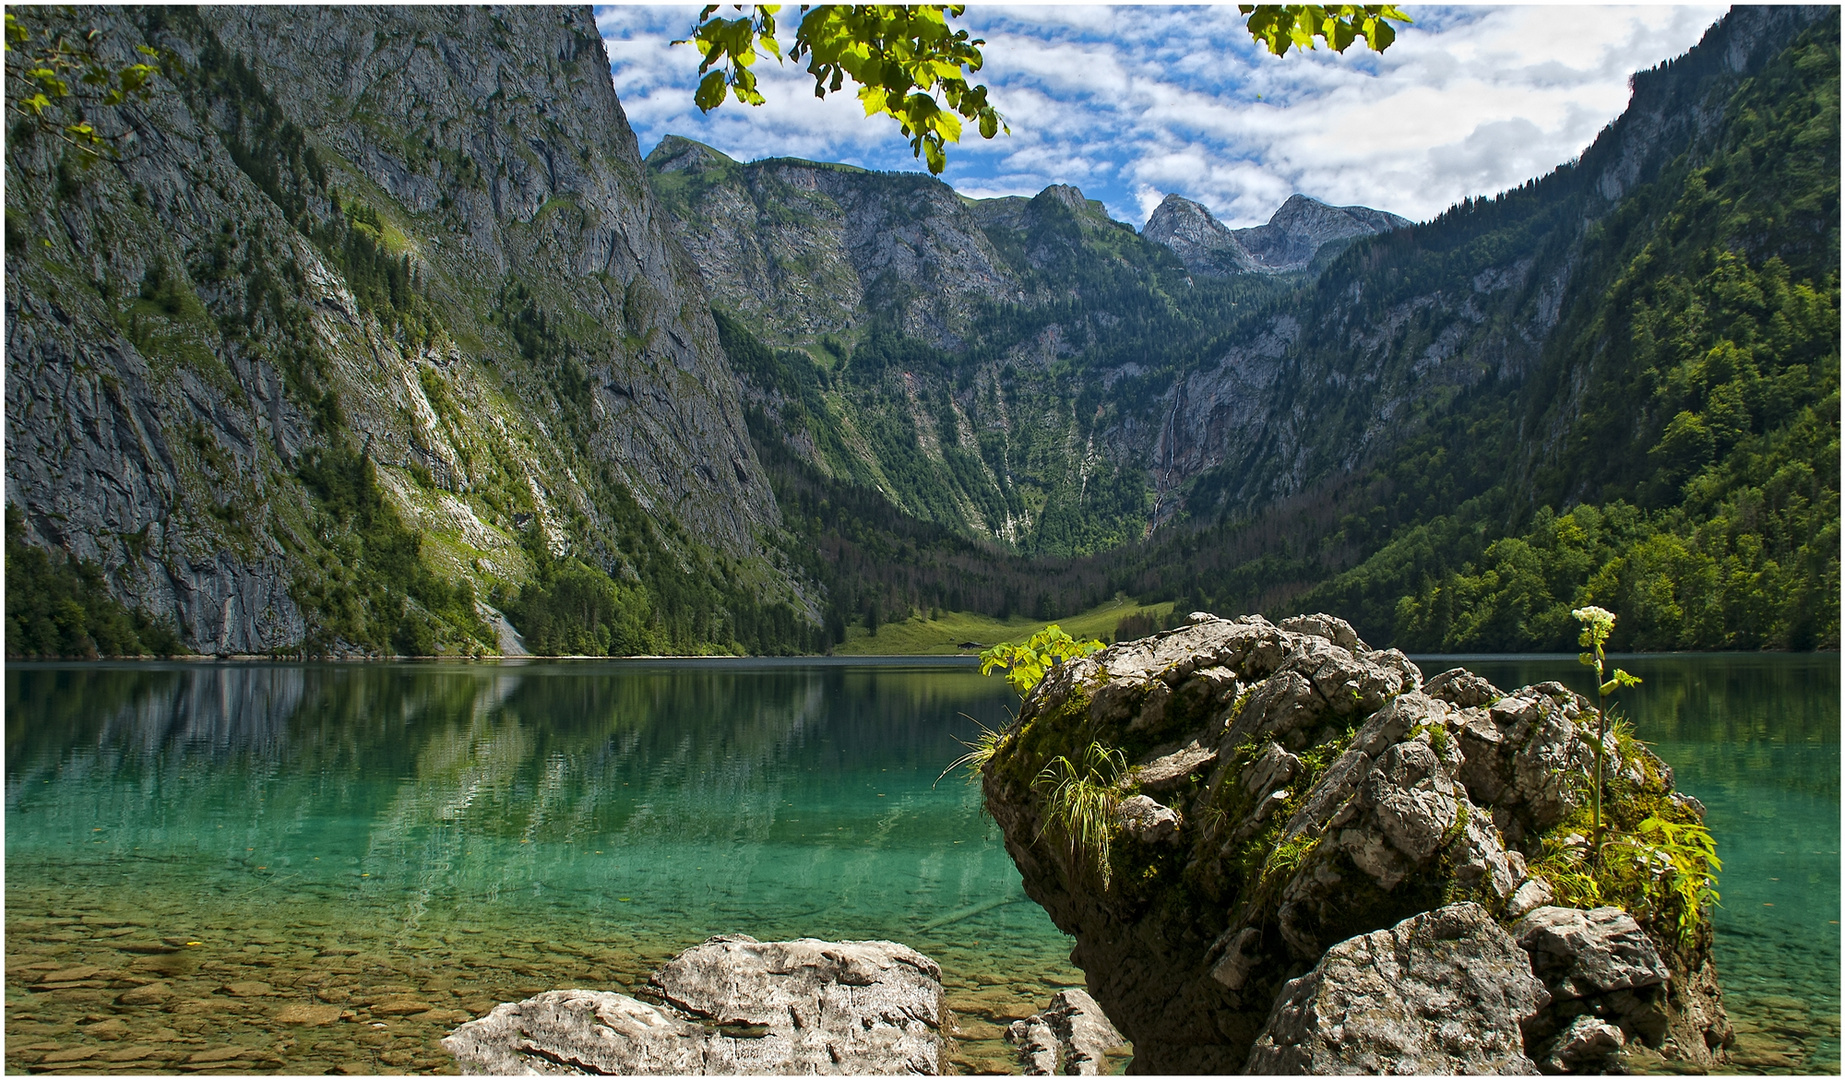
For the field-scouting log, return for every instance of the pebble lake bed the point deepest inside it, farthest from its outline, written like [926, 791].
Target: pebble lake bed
[305, 868]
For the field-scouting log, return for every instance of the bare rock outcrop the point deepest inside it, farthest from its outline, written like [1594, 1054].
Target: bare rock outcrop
[1289, 789]
[733, 1005]
[1444, 992]
[1066, 1039]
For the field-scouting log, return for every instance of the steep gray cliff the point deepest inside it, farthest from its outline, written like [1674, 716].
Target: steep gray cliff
[807, 249]
[420, 237]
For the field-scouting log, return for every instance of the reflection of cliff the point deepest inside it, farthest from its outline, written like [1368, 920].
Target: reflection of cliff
[443, 773]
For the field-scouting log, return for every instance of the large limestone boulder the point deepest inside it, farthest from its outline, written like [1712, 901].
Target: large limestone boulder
[1444, 992]
[733, 1005]
[1290, 788]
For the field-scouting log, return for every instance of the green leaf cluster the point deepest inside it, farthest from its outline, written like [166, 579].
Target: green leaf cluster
[1679, 861]
[908, 63]
[1280, 26]
[1026, 663]
[56, 84]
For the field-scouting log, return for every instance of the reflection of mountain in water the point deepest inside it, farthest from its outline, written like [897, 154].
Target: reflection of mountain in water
[400, 770]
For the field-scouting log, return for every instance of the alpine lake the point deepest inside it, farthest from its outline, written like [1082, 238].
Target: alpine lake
[308, 868]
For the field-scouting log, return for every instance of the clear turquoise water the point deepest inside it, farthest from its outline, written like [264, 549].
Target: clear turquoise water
[349, 838]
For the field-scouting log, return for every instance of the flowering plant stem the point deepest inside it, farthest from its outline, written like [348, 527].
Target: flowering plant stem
[1597, 625]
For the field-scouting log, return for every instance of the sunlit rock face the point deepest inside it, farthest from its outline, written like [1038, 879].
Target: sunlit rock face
[731, 1006]
[1311, 790]
[183, 338]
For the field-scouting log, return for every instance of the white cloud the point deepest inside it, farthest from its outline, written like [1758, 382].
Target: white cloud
[1131, 103]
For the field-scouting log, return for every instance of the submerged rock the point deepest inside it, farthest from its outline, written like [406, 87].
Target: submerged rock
[732, 1005]
[1066, 1039]
[1442, 992]
[1291, 789]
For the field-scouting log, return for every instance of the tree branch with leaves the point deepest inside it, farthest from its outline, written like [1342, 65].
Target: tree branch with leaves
[56, 82]
[911, 65]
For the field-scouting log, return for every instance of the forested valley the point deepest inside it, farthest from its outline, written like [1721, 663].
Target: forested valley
[299, 382]
[1671, 452]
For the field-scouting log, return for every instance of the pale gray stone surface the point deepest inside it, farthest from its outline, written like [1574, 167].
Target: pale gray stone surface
[733, 1005]
[1067, 1039]
[1583, 953]
[1444, 992]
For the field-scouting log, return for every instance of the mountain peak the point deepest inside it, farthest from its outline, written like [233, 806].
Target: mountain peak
[1068, 194]
[676, 153]
[1292, 238]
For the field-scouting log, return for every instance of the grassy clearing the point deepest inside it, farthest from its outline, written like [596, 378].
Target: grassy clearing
[924, 636]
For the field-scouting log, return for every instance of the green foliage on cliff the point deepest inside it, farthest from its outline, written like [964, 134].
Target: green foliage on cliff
[61, 607]
[1706, 449]
[373, 589]
[1674, 455]
[1027, 662]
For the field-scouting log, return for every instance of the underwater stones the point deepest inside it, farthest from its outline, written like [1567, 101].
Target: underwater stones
[153, 993]
[1443, 992]
[731, 1005]
[1067, 1039]
[308, 1015]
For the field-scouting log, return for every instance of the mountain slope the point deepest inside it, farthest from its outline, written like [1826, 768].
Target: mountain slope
[992, 365]
[375, 318]
[1355, 439]
[1648, 335]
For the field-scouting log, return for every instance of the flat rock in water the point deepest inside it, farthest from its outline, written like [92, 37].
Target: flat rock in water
[151, 994]
[732, 1005]
[1441, 993]
[310, 1015]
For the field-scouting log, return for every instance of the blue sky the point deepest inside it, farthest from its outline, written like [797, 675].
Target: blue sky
[1130, 103]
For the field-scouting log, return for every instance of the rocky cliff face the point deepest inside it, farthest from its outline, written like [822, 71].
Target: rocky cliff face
[1290, 242]
[415, 236]
[1271, 792]
[805, 249]
[911, 371]
[1476, 303]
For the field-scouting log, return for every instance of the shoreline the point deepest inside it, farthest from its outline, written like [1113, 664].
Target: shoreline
[970, 655]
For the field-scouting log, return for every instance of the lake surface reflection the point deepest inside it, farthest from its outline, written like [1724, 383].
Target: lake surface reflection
[303, 867]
